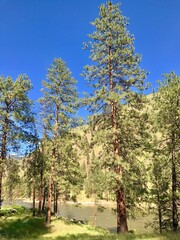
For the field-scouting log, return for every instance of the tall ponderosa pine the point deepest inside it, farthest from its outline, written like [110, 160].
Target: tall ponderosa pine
[59, 100]
[167, 123]
[114, 77]
[16, 117]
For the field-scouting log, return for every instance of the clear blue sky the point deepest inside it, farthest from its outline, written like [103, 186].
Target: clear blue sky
[34, 32]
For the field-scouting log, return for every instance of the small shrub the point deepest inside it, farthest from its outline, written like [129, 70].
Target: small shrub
[13, 210]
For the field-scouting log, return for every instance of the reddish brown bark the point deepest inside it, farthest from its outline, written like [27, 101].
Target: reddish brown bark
[34, 199]
[44, 198]
[95, 212]
[54, 157]
[55, 199]
[49, 204]
[174, 188]
[3, 153]
[40, 193]
[121, 211]
[120, 193]
[159, 210]
[41, 183]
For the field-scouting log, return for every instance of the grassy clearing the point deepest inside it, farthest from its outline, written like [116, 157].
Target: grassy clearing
[22, 226]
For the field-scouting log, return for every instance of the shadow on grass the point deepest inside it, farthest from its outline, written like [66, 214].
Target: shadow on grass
[24, 228]
[171, 236]
[89, 237]
[28, 228]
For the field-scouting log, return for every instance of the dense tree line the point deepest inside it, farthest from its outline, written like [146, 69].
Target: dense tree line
[127, 151]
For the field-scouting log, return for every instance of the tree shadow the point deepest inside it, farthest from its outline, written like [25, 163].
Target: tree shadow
[24, 228]
[95, 237]
[119, 237]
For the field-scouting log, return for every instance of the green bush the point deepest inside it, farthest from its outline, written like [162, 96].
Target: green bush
[13, 210]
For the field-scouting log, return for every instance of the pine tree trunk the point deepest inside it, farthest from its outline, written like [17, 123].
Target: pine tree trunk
[3, 155]
[54, 152]
[159, 211]
[55, 199]
[174, 189]
[44, 199]
[121, 211]
[11, 193]
[50, 186]
[1, 177]
[41, 197]
[95, 212]
[120, 193]
[87, 159]
[40, 193]
[49, 205]
[34, 199]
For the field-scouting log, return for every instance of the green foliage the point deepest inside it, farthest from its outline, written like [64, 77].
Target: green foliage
[59, 105]
[160, 194]
[165, 175]
[16, 118]
[13, 210]
[95, 177]
[12, 179]
[15, 110]
[68, 175]
[116, 104]
[60, 98]
[33, 163]
[112, 45]
[113, 146]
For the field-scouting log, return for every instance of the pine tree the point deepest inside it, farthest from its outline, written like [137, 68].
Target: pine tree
[69, 177]
[33, 164]
[159, 198]
[16, 117]
[12, 178]
[95, 176]
[59, 101]
[42, 168]
[167, 121]
[114, 76]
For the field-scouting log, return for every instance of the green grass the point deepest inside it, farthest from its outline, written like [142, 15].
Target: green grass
[22, 226]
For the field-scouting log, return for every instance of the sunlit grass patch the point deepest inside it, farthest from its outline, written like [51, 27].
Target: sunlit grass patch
[26, 227]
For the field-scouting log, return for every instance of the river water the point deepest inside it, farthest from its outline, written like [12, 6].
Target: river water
[105, 219]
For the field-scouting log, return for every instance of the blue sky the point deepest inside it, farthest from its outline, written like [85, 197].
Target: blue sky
[34, 32]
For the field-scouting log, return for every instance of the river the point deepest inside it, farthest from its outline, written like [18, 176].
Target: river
[105, 219]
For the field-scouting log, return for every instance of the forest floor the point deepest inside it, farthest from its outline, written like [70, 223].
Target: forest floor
[20, 225]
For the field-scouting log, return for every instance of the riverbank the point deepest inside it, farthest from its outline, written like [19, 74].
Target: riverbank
[20, 225]
[106, 217]
[79, 202]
